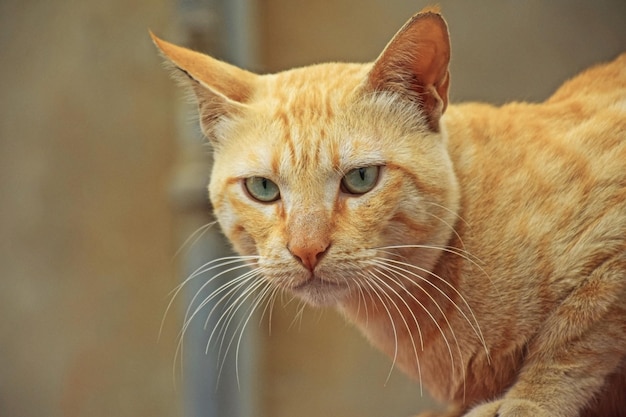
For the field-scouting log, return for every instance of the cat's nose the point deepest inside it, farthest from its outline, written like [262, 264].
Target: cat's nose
[309, 255]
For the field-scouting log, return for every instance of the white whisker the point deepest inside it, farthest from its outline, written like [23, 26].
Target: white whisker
[195, 236]
[371, 284]
[189, 317]
[454, 213]
[297, 318]
[269, 305]
[463, 254]
[213, 278]
[449, 227]
[198, 272]
[230, 312]
[236, 283]
[360, 296]
[475, 326]
[258, 300]
[406, 324]
[239, 302]
[450, 249]
[380, 263]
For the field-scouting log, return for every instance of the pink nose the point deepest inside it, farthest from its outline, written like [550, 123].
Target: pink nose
[309, 255]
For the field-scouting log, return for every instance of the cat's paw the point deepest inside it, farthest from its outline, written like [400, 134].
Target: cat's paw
[508, 408]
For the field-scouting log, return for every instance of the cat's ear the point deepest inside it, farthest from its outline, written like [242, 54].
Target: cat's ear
[221, 89]
[415, 64]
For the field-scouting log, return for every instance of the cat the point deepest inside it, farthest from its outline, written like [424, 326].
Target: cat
[482, 248]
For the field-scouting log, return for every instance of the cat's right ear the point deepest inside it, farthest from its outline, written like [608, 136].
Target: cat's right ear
[415, 65]
[221, 89]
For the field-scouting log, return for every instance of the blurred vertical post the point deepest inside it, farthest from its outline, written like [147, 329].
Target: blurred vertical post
[216, 384]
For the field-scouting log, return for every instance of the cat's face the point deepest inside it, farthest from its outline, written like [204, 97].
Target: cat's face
[322, 173]
[319, 177]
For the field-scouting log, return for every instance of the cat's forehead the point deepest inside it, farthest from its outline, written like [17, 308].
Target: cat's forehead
[315, 122]
[296, 120]
[313, 86]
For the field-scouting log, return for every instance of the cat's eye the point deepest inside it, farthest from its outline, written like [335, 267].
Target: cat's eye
[360, 180]
[262, 189]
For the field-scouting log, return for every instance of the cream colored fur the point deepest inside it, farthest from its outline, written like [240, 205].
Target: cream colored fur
[488, 260]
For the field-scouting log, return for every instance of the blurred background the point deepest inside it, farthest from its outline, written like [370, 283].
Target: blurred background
[103, 174]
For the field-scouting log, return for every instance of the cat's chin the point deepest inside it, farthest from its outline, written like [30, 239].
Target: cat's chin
[321, 293]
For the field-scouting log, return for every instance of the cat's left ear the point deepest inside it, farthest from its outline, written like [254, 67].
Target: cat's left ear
[415, 65]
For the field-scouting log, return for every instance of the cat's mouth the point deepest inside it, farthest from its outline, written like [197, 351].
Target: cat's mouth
[319, 291]
[317, 282]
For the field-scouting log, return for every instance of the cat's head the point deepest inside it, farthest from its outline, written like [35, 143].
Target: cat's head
[324, 172]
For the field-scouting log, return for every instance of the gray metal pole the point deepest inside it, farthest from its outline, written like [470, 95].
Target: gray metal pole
[226, 29]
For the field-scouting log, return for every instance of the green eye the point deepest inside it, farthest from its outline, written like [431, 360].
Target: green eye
[262, 189]
[360, 180]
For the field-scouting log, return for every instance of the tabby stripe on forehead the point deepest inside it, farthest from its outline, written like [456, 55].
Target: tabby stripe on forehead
[334, 155]
[286, 138]
[330, 112]
[304, 153]
[275, 160]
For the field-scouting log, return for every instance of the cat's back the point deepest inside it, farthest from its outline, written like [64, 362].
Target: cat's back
[543, 191]
[603, 84]
[596, 95]
[590, 110]
[583, 122]
[587, 114]
[546, 181]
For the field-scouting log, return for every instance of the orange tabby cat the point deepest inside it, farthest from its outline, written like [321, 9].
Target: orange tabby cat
[483, 248]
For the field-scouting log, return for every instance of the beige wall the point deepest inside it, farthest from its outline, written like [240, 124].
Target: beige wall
[86, 145]
[87, 131]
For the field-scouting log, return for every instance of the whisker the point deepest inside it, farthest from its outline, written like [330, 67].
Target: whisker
[463, 254]
[209, 281]
[406, 324]
[195, 236]
[232, 307]
[381, 264]
[371, 285]
[449, 227]
[475, 326]
[269, 307]
[237, 304]
[450, 249]
[360, 296]
[199, 271]
[257, 302]
[390, 288]
[455, 214]
[298, 316]
[274, 298]
[220, 329]
[236, 283]
[187, 320]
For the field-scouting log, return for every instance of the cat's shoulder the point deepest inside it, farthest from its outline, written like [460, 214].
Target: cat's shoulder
[603, 82]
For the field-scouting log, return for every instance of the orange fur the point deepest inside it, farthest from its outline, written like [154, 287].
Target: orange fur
[488, 260]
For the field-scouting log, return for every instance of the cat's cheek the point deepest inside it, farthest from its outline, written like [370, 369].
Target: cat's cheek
[234, 229]
[244, 223]
[366, 218]
[242, 242]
